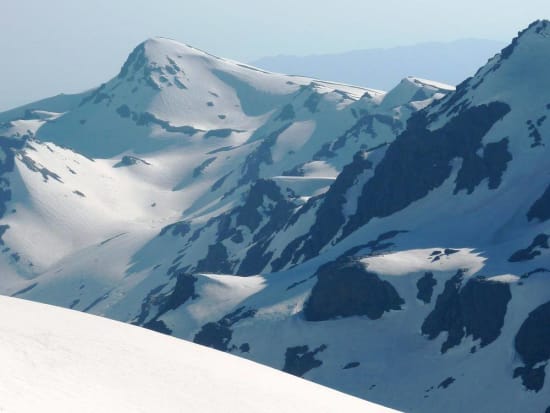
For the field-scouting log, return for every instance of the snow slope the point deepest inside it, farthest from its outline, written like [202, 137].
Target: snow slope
[59, 360]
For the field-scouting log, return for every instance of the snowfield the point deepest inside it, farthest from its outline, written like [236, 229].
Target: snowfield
[57, 360]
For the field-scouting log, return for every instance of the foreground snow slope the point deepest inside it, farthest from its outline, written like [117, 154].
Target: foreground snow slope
[60, 360]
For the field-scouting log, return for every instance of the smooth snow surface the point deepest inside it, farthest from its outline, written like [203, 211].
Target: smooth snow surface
[56, 360]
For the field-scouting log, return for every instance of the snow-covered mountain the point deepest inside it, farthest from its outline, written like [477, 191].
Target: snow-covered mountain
[60, 360]
[178, 134]
[393, 246]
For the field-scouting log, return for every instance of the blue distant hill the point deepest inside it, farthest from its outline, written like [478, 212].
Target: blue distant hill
[449, 62]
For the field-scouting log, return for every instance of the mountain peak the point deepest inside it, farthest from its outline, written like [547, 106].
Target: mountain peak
[413, 89]
[160, 44]
[157, 52]
[516, 74]
[539, 29]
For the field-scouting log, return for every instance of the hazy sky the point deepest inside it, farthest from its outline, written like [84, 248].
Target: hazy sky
[54, 46]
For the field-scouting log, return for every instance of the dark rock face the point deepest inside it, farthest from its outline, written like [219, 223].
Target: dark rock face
[147, 305]
[532, 343]
[484, 306]
[256, 259]
[446, 383]
[218, 334]
[425, 287]
[532, 251]
[220, 133]
[445, 316]
[148, 119]
[162, 303]
[214, 335]
[158, 326]
[124, 111]
[216, 260]
[351, 365]
[198, 171]
[299, 360]
[418, 161]
[346, 289]
[248, 214]
[7, 163]
[491, 165]
[218, 184]
[541, 208]
[534, 131]
[287, 113]
[183, 291]
[136, 60]
[278, 215]
[179, 228]
[532, 378]
[476, 310]
[312, 102]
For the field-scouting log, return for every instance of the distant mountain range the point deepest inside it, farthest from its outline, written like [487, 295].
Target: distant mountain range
[449, 62]
[390, 245]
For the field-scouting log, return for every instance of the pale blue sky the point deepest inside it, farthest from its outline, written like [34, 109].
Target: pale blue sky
[54, 46]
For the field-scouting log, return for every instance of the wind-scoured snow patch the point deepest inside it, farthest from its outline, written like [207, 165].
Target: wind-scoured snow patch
[319, 169]
[222, 293]
[303, 186]
[411, 261]
[505, 278]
